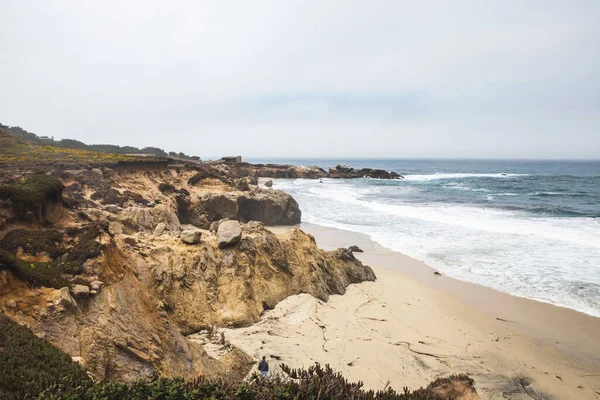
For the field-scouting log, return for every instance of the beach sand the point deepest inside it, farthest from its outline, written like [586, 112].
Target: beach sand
[411, 326]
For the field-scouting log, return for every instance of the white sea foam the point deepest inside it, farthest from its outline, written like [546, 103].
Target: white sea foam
[459, 176]
[548, 259]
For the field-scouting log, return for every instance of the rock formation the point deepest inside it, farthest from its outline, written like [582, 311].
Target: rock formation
[119, 277]
[244, 169]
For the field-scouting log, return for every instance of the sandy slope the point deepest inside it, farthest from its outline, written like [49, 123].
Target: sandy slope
[405, 330]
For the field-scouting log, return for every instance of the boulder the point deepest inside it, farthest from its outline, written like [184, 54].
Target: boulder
[271, 207]
[112, 208]
[269, 183]
[228, 232]
[80, 290]
[160, 228]
[355, 249]
[219, 206]
[214, 226]
[190, 236]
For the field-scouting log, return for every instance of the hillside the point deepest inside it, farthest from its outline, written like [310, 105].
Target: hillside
[30, 137]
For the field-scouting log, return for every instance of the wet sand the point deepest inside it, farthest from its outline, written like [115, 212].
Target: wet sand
[411, 326]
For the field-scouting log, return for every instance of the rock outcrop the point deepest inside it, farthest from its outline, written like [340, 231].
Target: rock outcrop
[271, 207]
[341, 171]
[347, 172]
[121, 288]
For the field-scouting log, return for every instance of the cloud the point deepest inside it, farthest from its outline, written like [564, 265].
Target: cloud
[404, 79]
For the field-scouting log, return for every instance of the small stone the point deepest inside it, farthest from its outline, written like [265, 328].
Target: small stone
[269, 183]
[80, 290]
[10, 303]
[96, 285]
[112, 208]
[160, 228]
[355, 249]
[92, 292]
[190, 236]
[64, 298]
[121, 276]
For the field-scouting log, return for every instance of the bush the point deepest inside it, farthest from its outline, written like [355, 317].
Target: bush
[28, 364]
[85, 248]
[33, 241]
[35, 273]
[32, 194]
[49, 274]
[314, 383]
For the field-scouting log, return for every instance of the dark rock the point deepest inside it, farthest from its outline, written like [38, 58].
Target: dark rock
[355, 249]
[269, 183]
[271, 207]
[219, 206]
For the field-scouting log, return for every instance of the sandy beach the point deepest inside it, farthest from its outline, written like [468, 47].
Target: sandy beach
[411, 326]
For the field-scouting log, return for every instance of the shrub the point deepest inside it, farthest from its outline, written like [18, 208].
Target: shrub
[33, 241]
[32, 194]
[28, 364]
[85, 248]
[314, 383]
[35, 273]
[49, 274]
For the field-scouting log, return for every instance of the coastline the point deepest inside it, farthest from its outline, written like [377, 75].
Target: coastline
[411, 326]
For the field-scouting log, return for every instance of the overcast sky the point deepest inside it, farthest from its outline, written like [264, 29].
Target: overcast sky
[323, 78]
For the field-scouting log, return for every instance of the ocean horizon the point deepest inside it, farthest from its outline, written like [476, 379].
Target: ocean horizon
[530, 228]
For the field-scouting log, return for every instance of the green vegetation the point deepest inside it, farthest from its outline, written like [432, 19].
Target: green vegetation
[32, 194]
[21, 133]
[18, 152]
[314, 383]
[28, 364]
[35, 273]
[85, 248]
[34, 241]
[64, 260]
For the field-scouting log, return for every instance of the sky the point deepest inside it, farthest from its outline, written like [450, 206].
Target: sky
[308, 78]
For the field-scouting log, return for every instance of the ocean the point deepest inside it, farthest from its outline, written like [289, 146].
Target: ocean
[528, 228]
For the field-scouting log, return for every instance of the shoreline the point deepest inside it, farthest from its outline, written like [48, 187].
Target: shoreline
[411, 326]
[544, 320]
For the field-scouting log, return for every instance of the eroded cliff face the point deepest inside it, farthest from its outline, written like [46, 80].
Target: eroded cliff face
[138, 297]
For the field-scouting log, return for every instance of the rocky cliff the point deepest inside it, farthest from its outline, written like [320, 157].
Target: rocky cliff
[117, 267]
